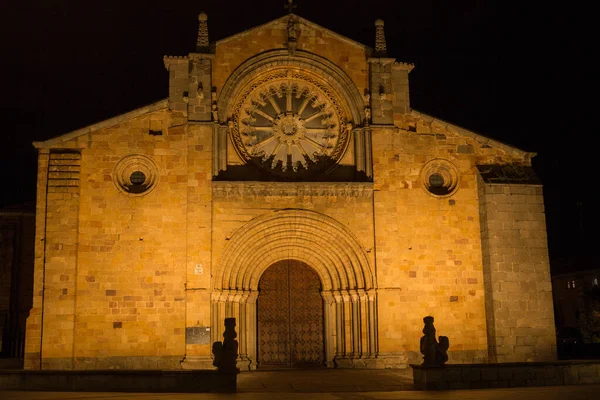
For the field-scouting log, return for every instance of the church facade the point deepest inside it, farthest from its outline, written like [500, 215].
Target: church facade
[285, 182]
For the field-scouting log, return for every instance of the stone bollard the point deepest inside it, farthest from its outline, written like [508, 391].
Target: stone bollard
[226, 352]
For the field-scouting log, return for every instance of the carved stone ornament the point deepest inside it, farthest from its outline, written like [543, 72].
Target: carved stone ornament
[440, 178]
[290, 123]
[380, 45]
[292, 29]
[135, 175]
[202, 40]
[242, 190]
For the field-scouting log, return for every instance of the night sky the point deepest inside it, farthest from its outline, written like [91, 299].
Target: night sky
[513, 71]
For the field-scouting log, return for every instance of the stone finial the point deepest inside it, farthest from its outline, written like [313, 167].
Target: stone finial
[290, 6]
[380, 46]
[202, 41]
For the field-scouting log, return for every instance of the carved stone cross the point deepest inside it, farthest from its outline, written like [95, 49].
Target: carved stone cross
[290, 6]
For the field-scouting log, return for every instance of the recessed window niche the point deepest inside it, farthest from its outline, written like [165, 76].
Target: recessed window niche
[135, 175]
[440, 178]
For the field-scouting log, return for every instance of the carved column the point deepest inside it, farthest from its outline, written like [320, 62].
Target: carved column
[373, 335]
[340, 348]
[368, 152]
[359, 150]
[242, 327]
[354, 312]
[356, 331]
[329, 328]
[241, 305]
[223, 148]
[215, 150]
[219, 155]
[215, 334]
[251, 328]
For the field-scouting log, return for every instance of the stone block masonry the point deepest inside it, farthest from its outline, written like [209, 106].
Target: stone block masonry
[505, 375]
[516, 272]
[56, 292]
[154, 225]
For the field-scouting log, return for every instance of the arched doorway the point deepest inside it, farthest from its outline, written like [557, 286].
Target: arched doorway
[290, 317]
[334, 253]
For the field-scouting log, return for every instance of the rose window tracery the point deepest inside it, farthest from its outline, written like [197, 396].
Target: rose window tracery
[290, 125]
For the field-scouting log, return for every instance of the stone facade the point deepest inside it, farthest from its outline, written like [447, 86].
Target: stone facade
[284, 142]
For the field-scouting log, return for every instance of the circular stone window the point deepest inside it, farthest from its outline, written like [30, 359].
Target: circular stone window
[440, 178]
[135, 175]
[290, 124]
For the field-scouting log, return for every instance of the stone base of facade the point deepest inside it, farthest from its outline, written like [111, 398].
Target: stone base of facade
[481, 376]
[111, 363]
[197, 362]
[32, 361]
[464, 357]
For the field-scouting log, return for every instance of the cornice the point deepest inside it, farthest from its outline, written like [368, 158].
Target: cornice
[240, 190]
[403, 66]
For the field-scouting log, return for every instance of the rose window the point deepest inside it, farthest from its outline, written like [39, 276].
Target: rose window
[290, 126]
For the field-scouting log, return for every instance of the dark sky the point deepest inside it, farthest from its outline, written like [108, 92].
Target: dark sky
[514, 71]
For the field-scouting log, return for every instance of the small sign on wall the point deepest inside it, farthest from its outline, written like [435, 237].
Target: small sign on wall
[198, 270]
[197, 335]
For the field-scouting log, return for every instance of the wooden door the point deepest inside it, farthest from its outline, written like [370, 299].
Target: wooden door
[290, 317]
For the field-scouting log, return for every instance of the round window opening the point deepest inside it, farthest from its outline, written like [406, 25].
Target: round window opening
[135, 175]
[435, 181]
[137, 178]
[290, 124]
[440, 178]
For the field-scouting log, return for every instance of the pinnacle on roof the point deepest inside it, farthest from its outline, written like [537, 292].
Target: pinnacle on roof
[380, 46]
[202, 44]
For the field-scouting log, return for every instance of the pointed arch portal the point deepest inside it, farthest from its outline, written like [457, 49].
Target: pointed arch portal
[328, 248]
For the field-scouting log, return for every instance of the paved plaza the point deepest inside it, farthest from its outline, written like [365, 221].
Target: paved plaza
[329, 385]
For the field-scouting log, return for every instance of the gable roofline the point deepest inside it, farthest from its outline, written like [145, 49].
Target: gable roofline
[302, 20]
[484, 140]
[107, 123]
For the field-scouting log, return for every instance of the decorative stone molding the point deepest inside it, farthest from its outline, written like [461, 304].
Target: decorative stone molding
[440, 178]
[135, 175]
[202, 42]
[169, 60]
[288, 121]
[311, 237]
[380, 45]
[403, 66]
[241, 190]
[348, 287]
[344, 88]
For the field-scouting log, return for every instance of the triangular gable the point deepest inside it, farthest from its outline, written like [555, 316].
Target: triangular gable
[484, 140]
[301, 20]
[107, 123]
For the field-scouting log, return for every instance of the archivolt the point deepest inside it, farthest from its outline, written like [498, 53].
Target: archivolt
[307, 236]
[330, 73]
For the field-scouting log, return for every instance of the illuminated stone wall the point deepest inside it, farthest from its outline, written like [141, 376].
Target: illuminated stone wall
[519, 308]
[428, 247]
[118, 261]
[345, 53]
